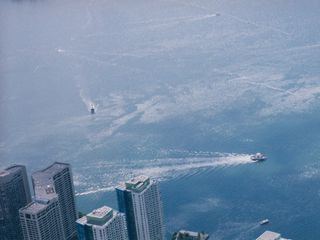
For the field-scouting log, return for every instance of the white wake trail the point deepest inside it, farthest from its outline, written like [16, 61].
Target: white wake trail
[305, 47]
[183, 20]
[239, 19]
[271, 87]
[87, 101]
[160, 169]
[256, 24]
[117, 123]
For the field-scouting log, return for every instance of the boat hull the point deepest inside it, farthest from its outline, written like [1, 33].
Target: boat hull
[258, 159]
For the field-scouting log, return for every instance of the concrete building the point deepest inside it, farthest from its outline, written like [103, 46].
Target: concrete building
[140, 200]
[59, 176]
[102, 224]
[14, 194]
[268, 235]
[41, 219]
[188, 235]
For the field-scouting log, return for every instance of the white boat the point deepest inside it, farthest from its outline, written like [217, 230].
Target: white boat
[92, 110]
[258, 157]
[263, 222]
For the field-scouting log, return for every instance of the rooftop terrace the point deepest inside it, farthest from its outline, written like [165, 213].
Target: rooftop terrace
[137, 184]
[188, 235]
[268, 235]
[56, 167]
[34, 208]
[98, 216]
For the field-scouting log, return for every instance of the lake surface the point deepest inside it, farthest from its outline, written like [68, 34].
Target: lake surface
[184, 92]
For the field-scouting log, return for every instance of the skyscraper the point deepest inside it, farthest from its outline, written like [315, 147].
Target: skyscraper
[102, 224]
[140, 200]
[59, 176]
[41, 219]
[14, 194]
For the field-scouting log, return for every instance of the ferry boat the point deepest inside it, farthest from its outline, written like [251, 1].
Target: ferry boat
[263, 222]
[258, 157]
[92, 110]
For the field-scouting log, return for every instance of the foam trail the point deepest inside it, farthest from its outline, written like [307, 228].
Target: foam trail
[110, 63]
[89, 15]
[257, 25]
[123, 120]
[241, 20]
[36, 68]
[162, 169]
[105, 189]
[185, 20]
[87, 101]
[272, 88]
[163, 21]
[116, 124]
[304, 47]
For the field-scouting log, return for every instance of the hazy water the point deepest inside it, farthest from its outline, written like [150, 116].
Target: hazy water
[184, 92]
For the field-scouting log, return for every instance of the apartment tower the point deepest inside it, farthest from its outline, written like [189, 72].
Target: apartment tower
[140, 200]
[42, 219]
[102, 224]
[14, 194]
[59, 176]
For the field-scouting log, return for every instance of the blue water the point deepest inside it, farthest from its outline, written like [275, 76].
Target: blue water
[184, 92]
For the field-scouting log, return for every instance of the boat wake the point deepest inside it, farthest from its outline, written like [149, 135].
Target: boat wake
[87, 101]
[160, 169]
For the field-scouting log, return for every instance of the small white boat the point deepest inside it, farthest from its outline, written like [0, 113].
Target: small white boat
[258, 157]
[92, 110]
[263, 222]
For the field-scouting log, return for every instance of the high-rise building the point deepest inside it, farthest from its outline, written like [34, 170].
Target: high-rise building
[14, 194]
[140, 200]
[59, 175]
[41, 219]
[102, 224]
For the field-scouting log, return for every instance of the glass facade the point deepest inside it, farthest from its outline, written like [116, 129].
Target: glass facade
[125, 205]
[14, 194]
[139, 199]
[60, 176]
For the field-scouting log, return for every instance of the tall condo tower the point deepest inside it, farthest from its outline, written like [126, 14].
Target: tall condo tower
[14, 194]
[102, 224]
[41, 219]
[59, 176]
[140, 200]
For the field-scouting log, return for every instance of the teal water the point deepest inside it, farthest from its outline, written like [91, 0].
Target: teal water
[229, 201]
[184, 92]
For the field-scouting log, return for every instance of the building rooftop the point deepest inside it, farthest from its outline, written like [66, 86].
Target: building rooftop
[83, 220]
[14, 168]
[100, 212]
[98, 216]
[188, 235]
[56, 167]
[268, 235]
[137, 184]
[39, 204]
[34, 208]
[52, 170]
[138, 179]
[8, 173]
[11, 169]
[44, 178]
[45, 191]
[4, 173]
